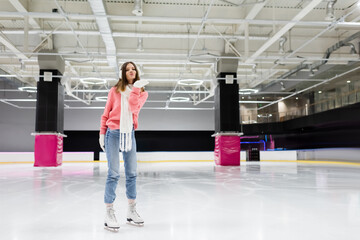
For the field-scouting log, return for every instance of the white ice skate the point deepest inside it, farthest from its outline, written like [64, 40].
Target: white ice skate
[133, 217]
[111, 223]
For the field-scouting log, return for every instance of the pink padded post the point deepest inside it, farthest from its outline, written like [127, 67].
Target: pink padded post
[227, 150]
[48, 150]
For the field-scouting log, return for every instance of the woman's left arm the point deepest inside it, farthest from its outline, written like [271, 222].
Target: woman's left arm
[137, 99]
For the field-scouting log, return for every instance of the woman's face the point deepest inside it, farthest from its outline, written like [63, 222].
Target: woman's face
[130, 73]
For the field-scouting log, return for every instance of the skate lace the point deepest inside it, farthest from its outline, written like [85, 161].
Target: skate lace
[133, 210]
[136, 213]
[111, 214]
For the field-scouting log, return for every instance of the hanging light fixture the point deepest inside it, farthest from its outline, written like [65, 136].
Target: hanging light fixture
[22, 65]
[137, 8]
[247, 91]
[330, 15]
[190, 82]
[140, 45]
[281, 44]
[179, 99]
[28, 89]
[282, 86]
[254, 70]
[92, 81]
[101, 98]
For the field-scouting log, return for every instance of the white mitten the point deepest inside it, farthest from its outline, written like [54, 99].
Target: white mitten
[140, 83]
[102, 141]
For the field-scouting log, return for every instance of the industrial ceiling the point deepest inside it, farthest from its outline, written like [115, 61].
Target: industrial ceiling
[280, 47]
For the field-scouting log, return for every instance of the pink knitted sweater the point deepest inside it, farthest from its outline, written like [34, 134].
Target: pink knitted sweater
[111, 116]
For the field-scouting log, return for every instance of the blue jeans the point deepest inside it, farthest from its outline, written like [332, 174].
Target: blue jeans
[130, 164]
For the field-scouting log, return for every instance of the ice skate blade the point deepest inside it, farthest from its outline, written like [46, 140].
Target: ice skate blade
[131, 222]
[111, 229]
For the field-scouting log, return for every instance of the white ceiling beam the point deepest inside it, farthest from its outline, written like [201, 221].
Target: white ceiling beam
[251, 15]
[4, 40]
[268, 22]
[102, 21]
[284, 29]
[153, 35]
[134, 35]
[20, 8]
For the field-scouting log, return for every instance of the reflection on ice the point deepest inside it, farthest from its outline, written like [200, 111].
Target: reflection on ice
[184, 201]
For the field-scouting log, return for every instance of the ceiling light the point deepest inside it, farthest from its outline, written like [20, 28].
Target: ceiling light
[101, 99]
[28, 89]
[92, 81]
[319, 91]
[348, 81]
[190, 82]
[179, 99]
[246, 91]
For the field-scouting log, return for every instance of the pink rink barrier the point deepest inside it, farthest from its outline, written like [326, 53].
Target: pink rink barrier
[227, 150]
[48, 150]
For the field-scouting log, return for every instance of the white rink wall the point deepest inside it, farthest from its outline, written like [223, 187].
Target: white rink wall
[330, 154]
[335, 154]
[18, 157]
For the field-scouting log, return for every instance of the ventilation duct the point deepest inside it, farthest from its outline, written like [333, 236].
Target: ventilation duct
[315, 66]
[352, 48]
[103, 23]
[335, 47]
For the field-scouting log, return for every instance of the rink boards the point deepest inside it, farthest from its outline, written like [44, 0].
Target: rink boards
[342, 154]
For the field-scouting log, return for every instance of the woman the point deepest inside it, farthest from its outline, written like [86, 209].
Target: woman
[118, 122]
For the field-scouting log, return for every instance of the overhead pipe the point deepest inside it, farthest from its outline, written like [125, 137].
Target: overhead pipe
[335, 47]
[311, 87]
[312, 67]
[352, 48]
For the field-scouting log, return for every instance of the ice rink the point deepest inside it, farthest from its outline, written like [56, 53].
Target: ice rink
[258, 200]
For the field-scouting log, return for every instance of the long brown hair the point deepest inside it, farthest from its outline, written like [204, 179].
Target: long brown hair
[123, 82]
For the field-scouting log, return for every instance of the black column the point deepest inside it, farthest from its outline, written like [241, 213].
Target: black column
[50, 102]
[50, 93]
[227, 105]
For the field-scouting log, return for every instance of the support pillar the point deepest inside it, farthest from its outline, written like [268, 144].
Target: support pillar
[49, 123]
[227, 115]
